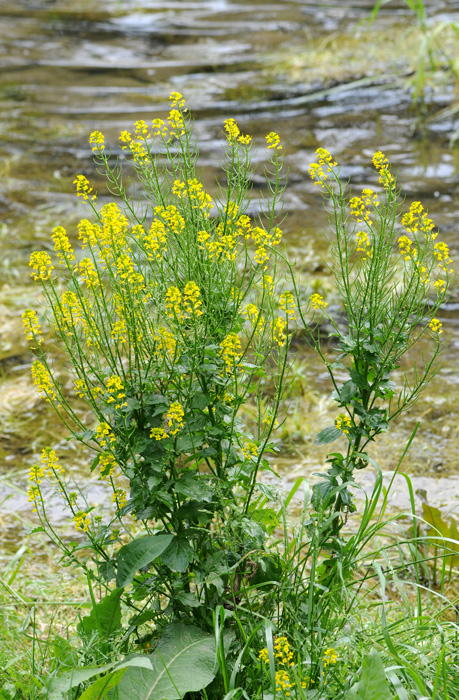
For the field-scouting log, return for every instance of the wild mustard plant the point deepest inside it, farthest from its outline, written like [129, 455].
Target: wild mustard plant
[393, 276]
[168, 319]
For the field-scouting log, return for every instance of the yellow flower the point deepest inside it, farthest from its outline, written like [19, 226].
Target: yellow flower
[43, 381]
[82, 521]
[317, 302]
[97, 140]
[174, 303]
[317, 174]
[119, 497]
[287, 304]
[249, 450]
[104, 435]
[158, 433]
[435, 326]
[83, 187]
[126, 139]
[405, 247]
[279, 333]
[88, 273]
[174, 417]
[192, 299]
[325, 159]
[231, 351]
[363, 244]
[41, 263]
[32, 327]
[232, 130]
[62, 245]
[330, 657]
[273, 141]
[107, 465]
[176, 123]
[177, 100]
[343, 422]
[115, 391]
[441, 252]
[245, 140]
[141, 129]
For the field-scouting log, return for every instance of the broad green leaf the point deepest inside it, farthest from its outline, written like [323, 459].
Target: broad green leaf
[183, 662]
[102, 686]
[327, 435]
[178, 555]
[105, 617]
[60, 685]
[138, 553]
[347, 391]
[373, 683]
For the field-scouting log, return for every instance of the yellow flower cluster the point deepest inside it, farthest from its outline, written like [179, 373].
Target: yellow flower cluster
[283, 655]
[62, 245]
[441, 252]
[158, 433]
[343, 422]
[279, 333]
[249, 450]
[104, 435]
[179, 308]
[192, 300]
[233, 133]
[406, 250]
[115, 391]
[97, 141]
[359, 210]
[287, 304]
[119, 497]
[88, 272]
[82, 521]
[176, 123]
[41, 263]
[364, 244]
[107, 465]
[177, 100]
[317, 302]
[330, 657]
[42, 381]
[32, 327]
[317, 170]
[417, 220]
[231, 351]
[68, 313]
[83, 188]
[369, 198]
[194, 191]
[435, 326]
[273, 141]
[165, 342]
[382, 165]
[174, 417]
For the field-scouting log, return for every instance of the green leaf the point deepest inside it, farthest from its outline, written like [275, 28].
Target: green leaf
[193, 486]
[373, 684]
[138, 553]
[102, 686]
[104, 618]
[200, 401]
[347, 391]
[178, 555]
[183, 662]
[327, 435]
[359, 379]
[60, 685]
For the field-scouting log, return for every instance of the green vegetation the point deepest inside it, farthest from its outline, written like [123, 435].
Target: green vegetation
[166, 354]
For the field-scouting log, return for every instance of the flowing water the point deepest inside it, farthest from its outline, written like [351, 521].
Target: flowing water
[269, 64]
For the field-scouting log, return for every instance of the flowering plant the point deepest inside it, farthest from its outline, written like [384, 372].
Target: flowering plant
[393, 276]
[167, 322]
